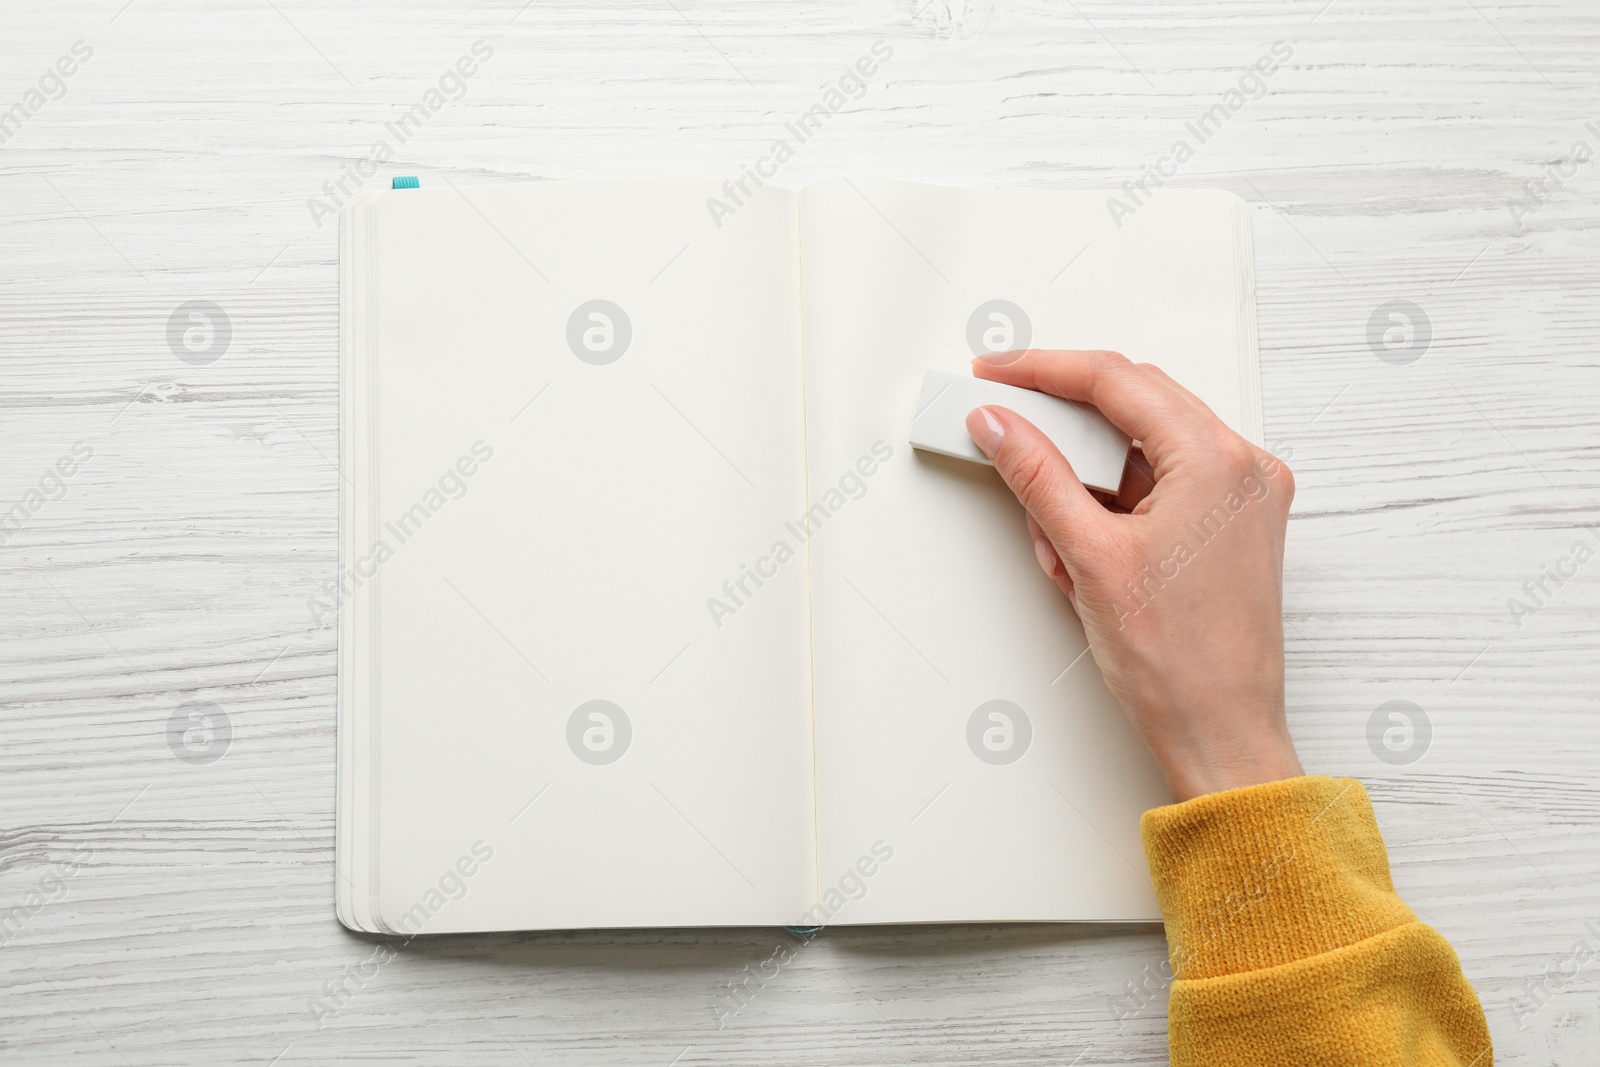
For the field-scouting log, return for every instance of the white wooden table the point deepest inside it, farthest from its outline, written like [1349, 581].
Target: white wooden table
[182, 910]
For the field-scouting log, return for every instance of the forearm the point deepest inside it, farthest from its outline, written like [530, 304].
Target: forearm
[1288, 941]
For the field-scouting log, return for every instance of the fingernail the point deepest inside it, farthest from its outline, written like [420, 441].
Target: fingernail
[1000, 359]
[1047, 555]
[986, 431]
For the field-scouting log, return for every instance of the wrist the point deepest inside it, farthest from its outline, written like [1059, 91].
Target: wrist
[1231, 762]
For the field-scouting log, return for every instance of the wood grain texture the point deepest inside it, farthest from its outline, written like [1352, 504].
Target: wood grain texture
[178, 166]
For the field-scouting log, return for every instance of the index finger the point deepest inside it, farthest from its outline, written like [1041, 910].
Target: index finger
[1140, 401]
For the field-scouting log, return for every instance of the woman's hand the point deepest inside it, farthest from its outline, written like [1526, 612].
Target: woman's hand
[1178, 581]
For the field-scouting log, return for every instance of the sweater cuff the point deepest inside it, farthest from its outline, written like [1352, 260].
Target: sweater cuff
[1265, 875]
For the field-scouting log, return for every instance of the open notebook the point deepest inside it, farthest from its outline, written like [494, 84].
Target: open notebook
[648, 613]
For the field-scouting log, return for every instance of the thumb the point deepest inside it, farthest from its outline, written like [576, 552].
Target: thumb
[1042, 479]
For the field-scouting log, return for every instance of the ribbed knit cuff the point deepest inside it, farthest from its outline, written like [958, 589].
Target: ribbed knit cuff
[1265, 875]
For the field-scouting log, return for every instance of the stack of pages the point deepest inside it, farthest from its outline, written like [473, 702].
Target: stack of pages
[648, 613]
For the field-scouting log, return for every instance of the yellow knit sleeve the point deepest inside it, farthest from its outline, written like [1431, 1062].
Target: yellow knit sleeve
[1288, 943]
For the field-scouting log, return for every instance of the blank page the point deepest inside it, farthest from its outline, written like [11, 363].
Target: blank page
[958, 719]
[586, 416]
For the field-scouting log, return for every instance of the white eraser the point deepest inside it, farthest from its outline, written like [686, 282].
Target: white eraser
[1096, 449]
